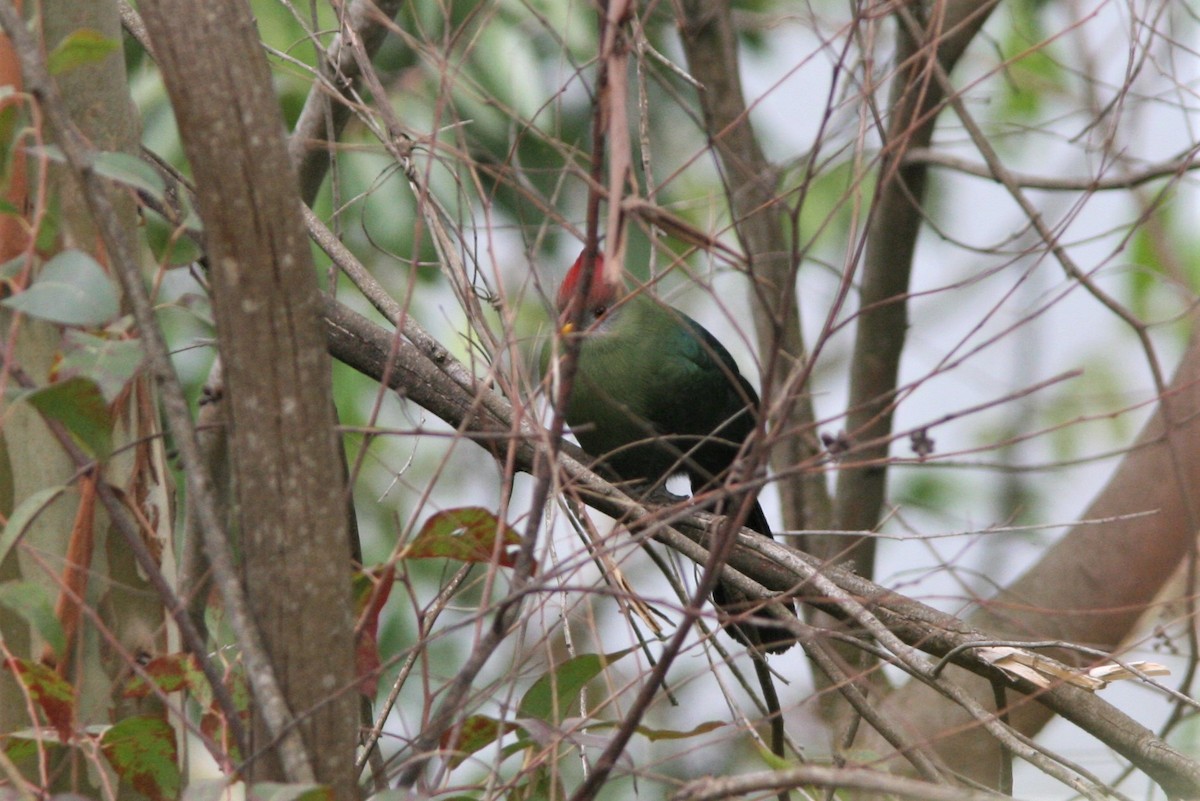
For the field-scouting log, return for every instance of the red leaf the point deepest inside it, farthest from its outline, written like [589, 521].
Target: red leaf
[367, 663]
[50, 691]
[170, 672]
[370, 594]
[476, 732]
[468, 534]
[143, 752]
[213, 722]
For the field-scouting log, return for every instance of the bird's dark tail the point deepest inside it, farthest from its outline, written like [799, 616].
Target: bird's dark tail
[735, 604]
[760, 638]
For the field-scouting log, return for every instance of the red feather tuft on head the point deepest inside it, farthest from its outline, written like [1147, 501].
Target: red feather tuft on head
[600, 292]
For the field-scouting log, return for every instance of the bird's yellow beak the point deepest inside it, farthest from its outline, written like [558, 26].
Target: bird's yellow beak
[567, 328]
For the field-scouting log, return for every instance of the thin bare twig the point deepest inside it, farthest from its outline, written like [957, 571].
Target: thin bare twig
[1171, 168]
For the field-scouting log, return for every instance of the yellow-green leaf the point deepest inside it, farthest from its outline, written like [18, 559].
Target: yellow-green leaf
[79, 48]
[33, 602]
[555, 694]
[79, 405]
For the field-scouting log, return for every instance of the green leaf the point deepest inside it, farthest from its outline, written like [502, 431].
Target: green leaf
[24, 515]
[10, 269]
[467, 534]
[168, 245]
[273, 791]
[71, 289]
[143, 752]
[554, 695]
[130, 170]
[46, 237]
[33, 602]
[80, 48]
[29, 748]
[774, 761]
[49, 691]
[111, 363]
[79, 405]
[19, 746]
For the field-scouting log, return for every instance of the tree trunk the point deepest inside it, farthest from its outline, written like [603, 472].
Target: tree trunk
[289, 492]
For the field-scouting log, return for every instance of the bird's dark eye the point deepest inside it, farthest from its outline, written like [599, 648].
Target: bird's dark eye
[599, 311]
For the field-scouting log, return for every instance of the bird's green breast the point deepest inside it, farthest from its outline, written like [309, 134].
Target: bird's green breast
[646, 371]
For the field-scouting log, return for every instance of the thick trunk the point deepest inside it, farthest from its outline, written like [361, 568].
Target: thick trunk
[288, 485]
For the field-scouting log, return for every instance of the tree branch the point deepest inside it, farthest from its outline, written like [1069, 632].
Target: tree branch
[1171, 168]
[835, 779]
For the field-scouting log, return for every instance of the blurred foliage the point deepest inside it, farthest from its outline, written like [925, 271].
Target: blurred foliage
[1035, 77]
[929, 489]
[1163, 276]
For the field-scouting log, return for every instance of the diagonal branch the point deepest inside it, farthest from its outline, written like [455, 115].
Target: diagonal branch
[324, 116]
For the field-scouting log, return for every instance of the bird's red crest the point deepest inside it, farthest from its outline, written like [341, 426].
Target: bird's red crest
[600, 293]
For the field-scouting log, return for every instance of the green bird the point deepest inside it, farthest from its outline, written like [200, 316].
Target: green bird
[655, 395]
